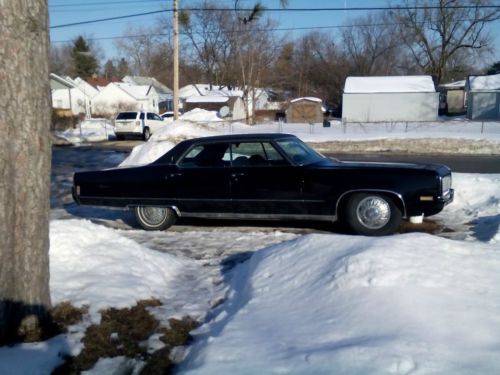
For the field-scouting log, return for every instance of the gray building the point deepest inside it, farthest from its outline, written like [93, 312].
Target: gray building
[483, 97]
[390, 99]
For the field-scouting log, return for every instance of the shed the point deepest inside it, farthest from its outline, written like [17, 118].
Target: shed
[390, 98]
[306, 109]
[453, 94]
[483, 97]
[216, 102]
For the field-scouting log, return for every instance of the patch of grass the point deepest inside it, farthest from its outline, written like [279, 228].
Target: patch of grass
[65, 314]
[178, 333]
[123, 332]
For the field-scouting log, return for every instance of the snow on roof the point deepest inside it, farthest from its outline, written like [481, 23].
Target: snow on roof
[456, 84]
[207, 99]
[147, 81]
[138, 92]
[309, 98]
[359, 85]
[491, 82]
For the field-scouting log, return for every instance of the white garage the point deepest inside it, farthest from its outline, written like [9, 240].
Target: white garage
[390, 99]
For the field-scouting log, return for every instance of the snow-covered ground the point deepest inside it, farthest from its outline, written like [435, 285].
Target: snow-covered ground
[311, 304]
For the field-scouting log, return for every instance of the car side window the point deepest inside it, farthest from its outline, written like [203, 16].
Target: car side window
[249, 154]
[150, 116]
[206, 156]
[156, 117]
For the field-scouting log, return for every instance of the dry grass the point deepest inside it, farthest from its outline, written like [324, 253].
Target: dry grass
[123, 332]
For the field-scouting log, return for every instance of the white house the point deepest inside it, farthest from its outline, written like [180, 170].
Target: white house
[117, 96]
[390, 98]
[67, 94]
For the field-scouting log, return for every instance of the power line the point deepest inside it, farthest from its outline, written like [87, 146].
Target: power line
[390, 8]
[243, 31]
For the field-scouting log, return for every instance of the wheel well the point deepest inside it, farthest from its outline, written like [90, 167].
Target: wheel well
[396, 198]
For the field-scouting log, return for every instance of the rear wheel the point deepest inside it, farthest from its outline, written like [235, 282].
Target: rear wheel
[120, 137]
[155, 218]
[372, 214]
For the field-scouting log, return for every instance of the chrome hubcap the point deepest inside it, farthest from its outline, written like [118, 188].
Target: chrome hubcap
[373, 212]
[153, 215]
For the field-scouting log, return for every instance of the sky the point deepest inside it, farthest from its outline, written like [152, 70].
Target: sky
[63, 12]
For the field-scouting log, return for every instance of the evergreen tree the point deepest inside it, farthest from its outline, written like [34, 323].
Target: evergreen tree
[494, 69]
[84, 62]
[123, 68]
[110, 70]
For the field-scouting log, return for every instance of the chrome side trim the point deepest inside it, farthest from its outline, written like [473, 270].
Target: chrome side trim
[270, 217]
[368, 191]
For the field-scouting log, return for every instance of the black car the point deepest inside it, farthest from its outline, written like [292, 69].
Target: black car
[267, 176]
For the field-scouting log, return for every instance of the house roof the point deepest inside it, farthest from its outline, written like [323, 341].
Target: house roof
[208, 99]
[307, 98]
[58, 82]
[454, 85]
[136, 91]
[491, 82]
[147, 81]
[202, 89]
[101, 81]
[389, 84]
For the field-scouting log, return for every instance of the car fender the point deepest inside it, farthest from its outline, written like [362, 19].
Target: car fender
[397, 197]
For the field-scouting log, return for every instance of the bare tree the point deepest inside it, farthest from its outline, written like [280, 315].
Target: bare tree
[209, 40]
[371, 46]
[148, 50]
[436, 35]
[25, 151]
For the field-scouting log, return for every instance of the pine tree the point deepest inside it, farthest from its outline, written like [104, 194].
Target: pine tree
[84, 62]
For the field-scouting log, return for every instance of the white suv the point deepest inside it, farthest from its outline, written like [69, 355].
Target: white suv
[141, 124]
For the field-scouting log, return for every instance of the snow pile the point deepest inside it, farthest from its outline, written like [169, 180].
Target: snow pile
[166, 138]
[93, 130]
[201, 115]
[96, 266]
[477, 202]
[412, 303]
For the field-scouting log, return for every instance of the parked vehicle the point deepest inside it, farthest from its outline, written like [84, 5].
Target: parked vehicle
[137, 124]
[268, 176]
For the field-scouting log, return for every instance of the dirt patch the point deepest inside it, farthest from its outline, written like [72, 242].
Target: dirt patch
[124, 332]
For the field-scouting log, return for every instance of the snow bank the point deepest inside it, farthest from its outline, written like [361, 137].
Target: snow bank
[477, 202]
[96, 266]
[166, 138]
[93, 130]
[325, 304]
[202, 115]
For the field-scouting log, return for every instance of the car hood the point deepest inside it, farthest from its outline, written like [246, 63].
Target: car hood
[440, 168]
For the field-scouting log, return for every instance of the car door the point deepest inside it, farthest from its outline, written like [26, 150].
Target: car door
[201, 180]
[154, 122]
[263, 182]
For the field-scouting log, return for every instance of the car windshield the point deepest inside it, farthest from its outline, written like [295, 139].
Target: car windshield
[126, 116]
[299, 152]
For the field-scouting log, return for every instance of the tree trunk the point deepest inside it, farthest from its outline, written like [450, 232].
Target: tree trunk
[25, 152]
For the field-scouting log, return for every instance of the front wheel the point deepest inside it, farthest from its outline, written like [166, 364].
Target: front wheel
[155, 218]
[146, 134]
[372, 214]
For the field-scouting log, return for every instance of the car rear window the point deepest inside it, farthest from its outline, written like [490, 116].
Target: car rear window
[126, 116]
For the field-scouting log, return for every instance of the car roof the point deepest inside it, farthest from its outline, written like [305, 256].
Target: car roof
[242, 137]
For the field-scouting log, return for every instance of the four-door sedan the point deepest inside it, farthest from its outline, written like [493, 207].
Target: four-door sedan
[267, 176]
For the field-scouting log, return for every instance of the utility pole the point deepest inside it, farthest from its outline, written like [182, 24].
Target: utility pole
[176, 60]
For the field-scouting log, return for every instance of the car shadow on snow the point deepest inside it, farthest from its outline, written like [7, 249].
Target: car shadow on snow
[485, 228]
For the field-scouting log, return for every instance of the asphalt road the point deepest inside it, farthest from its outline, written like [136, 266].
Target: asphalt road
[457, 163]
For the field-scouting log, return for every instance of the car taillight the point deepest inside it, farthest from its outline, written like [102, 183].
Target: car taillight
[138, 123]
